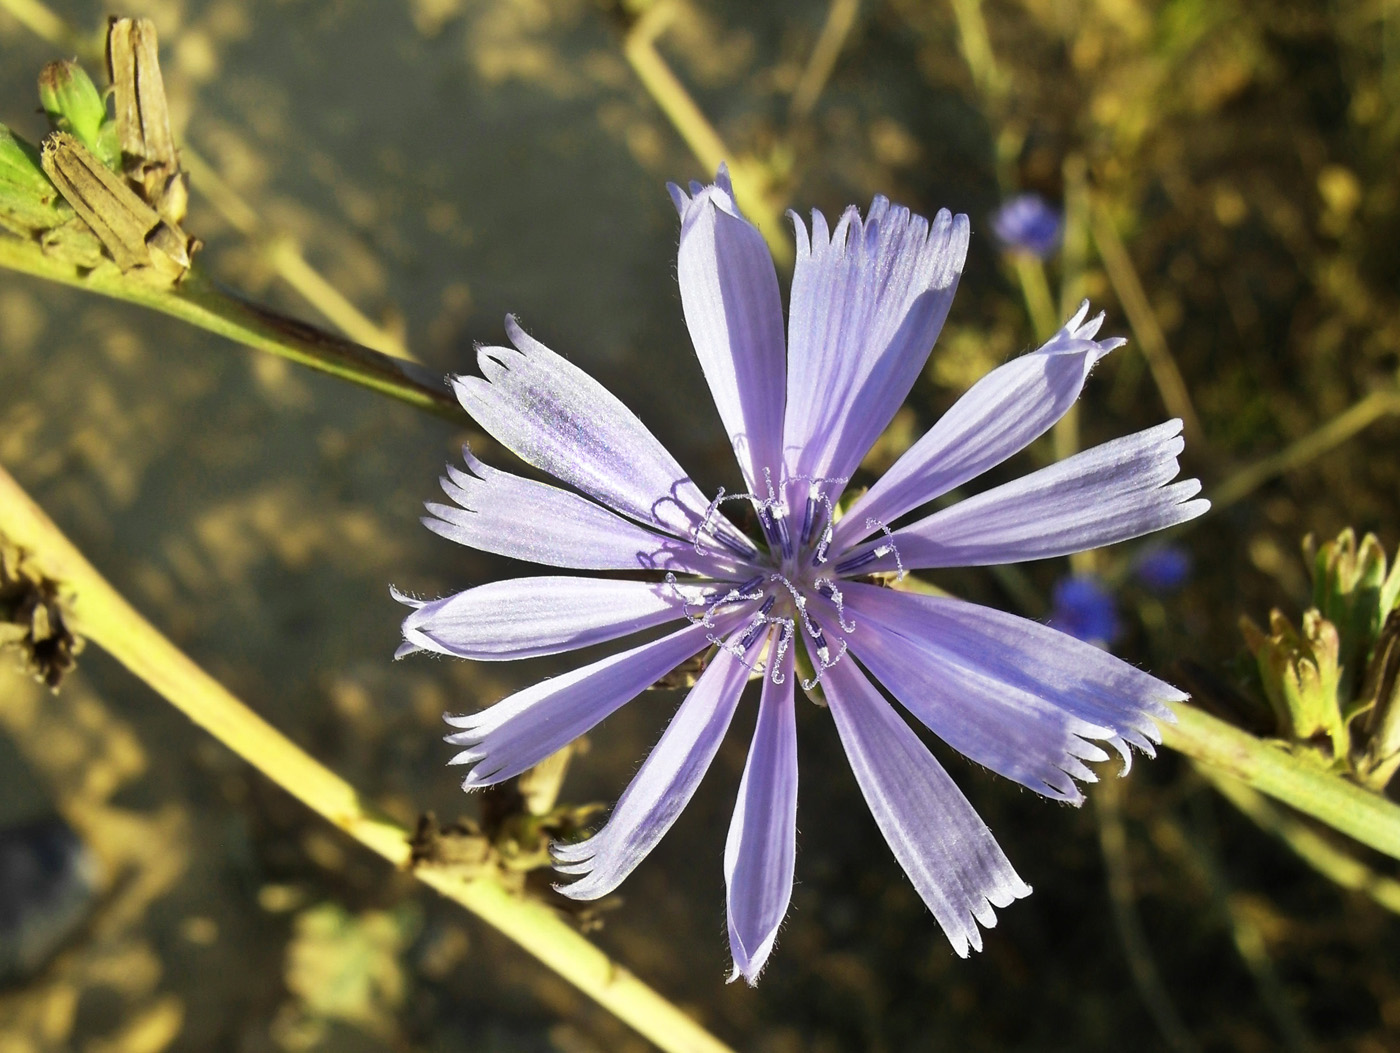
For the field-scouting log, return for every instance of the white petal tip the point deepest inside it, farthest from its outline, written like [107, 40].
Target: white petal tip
[405, 598]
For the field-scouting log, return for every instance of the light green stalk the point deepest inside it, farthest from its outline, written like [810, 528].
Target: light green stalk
[99, 613]
[1296, 779]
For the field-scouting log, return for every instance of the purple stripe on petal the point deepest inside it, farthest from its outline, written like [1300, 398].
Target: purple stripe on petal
[524, 519]
[1013, 731]
[520, 731]
[1084, 681]
[1099, 497]
[663, 786]
[868, 302]
[1000, 415]
[729, 289]
[556, 417]
[958, 868]
[761, 850]
[528, 617]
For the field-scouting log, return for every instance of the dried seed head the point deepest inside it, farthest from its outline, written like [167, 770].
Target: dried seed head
[32, 621]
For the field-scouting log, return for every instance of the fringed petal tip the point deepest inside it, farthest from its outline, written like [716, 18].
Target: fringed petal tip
[982, 915]
[1078, 336]
[413, 641]
[721, 191]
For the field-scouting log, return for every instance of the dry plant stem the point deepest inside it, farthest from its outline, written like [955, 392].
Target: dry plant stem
[1297, 781]
[39, 20]
[199, 301]
[283, 256]
[102, 615]
[1113, 841]
[1336, 431]
[840, 17]
[662, 84]
[1150, 338]
[1245, 933]
[287, 261]
[1317, 851]
[977, 50]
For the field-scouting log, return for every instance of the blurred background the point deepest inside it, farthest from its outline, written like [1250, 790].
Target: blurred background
[1228, 172]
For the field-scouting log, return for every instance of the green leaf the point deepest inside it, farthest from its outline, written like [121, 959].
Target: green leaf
[29, 203]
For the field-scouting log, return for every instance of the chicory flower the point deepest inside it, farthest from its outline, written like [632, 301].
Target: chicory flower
[1084, 607]
[1028, 223]
[1165, 568]
[803, 602]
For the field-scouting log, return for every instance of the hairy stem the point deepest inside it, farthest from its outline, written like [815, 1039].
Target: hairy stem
[1298, 781]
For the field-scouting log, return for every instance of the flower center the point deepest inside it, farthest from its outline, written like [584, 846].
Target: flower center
[795, 569]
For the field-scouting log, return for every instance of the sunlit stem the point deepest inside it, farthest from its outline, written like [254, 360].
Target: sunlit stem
[749, 176]
[1147, 331]
[1336, 431]
[1297, 781]
[100, 614]
[201, 302]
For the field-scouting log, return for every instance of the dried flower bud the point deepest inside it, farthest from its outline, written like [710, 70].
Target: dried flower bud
[142, 243]
[1377, 761]
[31, 619]
[143, 118]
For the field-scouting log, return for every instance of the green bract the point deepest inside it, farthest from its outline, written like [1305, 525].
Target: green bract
[74, 105]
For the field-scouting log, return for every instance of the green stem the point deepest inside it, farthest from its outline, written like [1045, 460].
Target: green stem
[1336, 431]
[1311, 846]
[1035, 289]
[99, 613]
[1295, 780]
[201, 302]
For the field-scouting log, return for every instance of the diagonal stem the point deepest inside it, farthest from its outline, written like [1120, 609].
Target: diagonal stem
[101, 614]
[1123, 276]
[1336, 431]
[1299, 781]
[690, 122]
[1318, 851]
[201, 302]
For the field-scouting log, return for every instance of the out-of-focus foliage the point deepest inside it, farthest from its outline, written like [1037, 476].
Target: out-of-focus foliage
[343, 966]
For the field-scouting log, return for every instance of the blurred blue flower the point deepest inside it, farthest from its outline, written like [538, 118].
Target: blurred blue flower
[48, 883]
[1083, 607]
[1030, 223]
[1164, 569]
